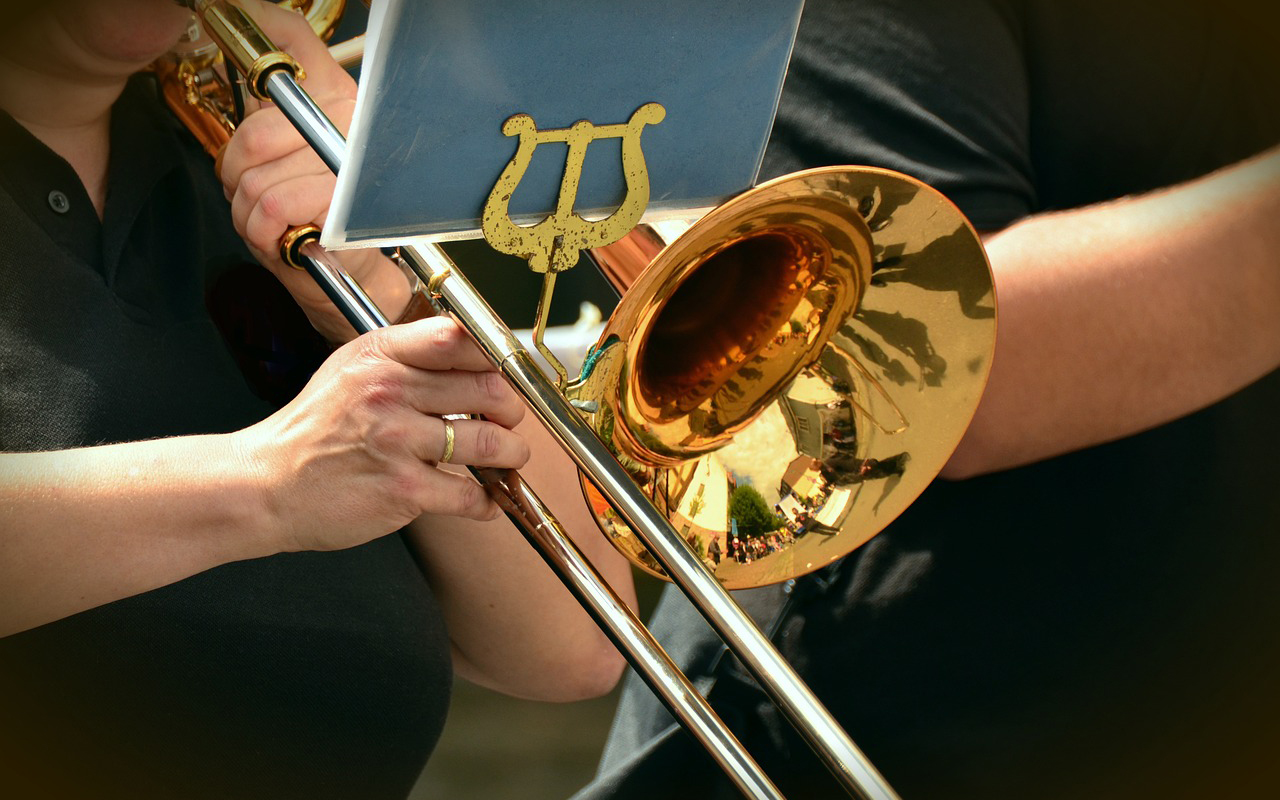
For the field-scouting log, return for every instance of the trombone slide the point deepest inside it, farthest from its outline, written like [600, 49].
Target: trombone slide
[274, 77]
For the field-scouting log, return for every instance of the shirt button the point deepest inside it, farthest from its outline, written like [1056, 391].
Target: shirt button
[58, 202]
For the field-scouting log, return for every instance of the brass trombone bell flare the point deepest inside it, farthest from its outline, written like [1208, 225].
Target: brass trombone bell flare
[787, 376]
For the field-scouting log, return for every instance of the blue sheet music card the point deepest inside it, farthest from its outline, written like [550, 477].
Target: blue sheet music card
[692, 84]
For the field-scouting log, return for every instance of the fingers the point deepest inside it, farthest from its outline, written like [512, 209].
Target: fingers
[430, 366]
[267, 135]
[476, 443]
[439, 392]
[464, 392]
[255, 181]
[270, 174]
[296, 201]
[446, 373]
[456, 495]
[432, 343]
[265, 155]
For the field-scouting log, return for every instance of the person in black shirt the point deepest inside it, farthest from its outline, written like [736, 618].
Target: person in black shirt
[198, 593]
[1099, 621]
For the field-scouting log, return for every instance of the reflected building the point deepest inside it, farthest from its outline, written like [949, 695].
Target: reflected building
[802, 482]
[810, 407]
[697, 495]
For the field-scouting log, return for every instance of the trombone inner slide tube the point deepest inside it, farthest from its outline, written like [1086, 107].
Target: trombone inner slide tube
[626, 631]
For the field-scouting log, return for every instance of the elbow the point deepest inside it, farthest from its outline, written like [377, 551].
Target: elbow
[594, 672]
[966, 462]
[570, 672]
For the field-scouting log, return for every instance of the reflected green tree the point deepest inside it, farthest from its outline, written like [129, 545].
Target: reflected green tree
[753, 515]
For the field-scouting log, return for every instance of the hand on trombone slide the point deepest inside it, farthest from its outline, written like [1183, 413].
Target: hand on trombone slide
[276, 182]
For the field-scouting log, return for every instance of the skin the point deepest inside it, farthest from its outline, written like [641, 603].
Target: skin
[1119, 317]
[353, 457]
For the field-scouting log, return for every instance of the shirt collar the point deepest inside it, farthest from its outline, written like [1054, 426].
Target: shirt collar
[49, 191]
[143, 150]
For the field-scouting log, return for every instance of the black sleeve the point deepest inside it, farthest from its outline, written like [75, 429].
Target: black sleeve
[932, 88]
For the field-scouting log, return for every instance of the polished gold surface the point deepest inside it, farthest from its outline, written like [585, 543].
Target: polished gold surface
[789, 375]
[265, 65]
[292, 241]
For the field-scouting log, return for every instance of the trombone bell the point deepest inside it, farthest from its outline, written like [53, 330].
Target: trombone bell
[790, 373]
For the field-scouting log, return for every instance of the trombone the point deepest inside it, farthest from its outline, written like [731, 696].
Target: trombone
[818, 231]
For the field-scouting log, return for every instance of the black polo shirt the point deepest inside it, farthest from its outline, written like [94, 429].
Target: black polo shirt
[301, 675]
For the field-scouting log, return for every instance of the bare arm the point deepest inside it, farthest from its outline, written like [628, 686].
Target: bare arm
[350, 459]
[82, 528]
[1120, 317]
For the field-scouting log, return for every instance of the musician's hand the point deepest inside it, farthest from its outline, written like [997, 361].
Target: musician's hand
[354, 456]
[275, 181]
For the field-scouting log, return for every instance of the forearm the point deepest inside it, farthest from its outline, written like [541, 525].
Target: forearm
[85, 527]
[351, 458]
[514, 626]
[1120, 317]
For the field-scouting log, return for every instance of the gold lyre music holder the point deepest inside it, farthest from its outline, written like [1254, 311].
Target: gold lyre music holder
[555, 244]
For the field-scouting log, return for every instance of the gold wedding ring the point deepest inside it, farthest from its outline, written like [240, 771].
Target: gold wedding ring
[448, 440]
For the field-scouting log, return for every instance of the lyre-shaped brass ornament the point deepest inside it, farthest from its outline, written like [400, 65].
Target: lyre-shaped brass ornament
[553, 245]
